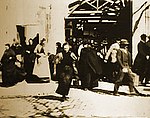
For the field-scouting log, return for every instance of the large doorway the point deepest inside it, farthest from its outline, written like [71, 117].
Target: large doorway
[99, 20]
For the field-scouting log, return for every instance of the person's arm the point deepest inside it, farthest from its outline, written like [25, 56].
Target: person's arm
[37, 51]
[130, 59]
[108, 53]
[73, 56]
[141, 49]
[119, 58]
[57, 60]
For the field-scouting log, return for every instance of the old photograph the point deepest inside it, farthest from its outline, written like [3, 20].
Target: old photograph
[75, 58]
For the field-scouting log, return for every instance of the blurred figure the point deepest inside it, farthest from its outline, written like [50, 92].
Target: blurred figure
[142, 56]
[124, 61]
[11, 74]
[51, 59]
[16, 46]
[147, 70]
[19, 51]
[58, 47]
[80, 48]
[8, 66]
[41, 65]
[89, 67]
[29, 57]
[66, 60]
[111, 58]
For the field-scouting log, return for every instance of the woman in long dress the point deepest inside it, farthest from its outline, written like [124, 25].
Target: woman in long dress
[29, 57]
[41, 66]
[64, 72]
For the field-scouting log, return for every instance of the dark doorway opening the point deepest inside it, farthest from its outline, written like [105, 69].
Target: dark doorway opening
[21, 32]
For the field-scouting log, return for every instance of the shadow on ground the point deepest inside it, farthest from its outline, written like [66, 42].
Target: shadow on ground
[101, 91]
[109, 92]
[49, 97]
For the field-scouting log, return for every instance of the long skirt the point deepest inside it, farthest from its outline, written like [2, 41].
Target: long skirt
[13, 75]
[64, 81]
[41, 68]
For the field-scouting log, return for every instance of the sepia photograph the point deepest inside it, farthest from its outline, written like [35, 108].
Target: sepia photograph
[75, 59]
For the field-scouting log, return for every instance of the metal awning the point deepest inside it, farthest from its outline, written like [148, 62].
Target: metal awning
[95, 9]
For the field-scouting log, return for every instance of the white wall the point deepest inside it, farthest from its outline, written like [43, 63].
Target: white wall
[59, 11]
[144, 25]
[7, 22]
[21, 12]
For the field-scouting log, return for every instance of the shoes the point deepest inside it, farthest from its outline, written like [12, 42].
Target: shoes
[85, 89]
[133, 93]
[116, 94]
[64, 98]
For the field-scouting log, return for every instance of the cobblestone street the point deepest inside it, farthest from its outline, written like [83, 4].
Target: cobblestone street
[40, 100]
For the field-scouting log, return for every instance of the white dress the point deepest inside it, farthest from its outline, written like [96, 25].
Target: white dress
[113, 52]
[41, 66]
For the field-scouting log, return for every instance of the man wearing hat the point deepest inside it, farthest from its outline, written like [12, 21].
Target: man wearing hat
[124, 61]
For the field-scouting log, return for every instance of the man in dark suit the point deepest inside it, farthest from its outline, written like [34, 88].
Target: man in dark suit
[124, 61]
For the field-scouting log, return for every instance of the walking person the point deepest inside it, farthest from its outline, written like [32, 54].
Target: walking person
[89, 67]
[59, 49]
[124, 61]
[66, 60]
[147, 70]
[142, 56]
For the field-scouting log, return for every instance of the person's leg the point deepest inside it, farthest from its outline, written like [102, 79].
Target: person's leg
[146, 80]
[86, 84]
[115, 71]
[131, 83]
[118, 82]
[141, 78]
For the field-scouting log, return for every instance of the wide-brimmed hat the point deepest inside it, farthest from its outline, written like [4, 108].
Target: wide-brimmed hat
[124, 42]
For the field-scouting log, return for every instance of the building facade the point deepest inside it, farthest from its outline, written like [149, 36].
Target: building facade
[47, 17]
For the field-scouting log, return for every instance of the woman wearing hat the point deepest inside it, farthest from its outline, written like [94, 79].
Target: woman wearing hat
[124, 61]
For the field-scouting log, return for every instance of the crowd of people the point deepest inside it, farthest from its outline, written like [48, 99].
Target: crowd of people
[83, 61]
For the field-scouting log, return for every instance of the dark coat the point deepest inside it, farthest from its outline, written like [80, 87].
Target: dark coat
[140, 60]
[29, 58]
[147, 70]
[8, 66]
[64, 74]
[89, 68]
[124, 61]
[89, 62]
[11, 74]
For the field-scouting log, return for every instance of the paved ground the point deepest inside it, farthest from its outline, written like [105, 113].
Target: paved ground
[40, 100]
